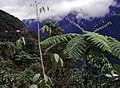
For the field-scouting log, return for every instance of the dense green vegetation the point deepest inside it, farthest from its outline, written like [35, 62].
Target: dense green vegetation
[94, 51]
[20, 65]
[9, 22]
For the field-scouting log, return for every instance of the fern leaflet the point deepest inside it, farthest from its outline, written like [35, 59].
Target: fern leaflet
[59, 38]
[115, 47]
[76, 48]
[98, 40]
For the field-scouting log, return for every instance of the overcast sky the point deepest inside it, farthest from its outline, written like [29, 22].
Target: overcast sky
[58, 8]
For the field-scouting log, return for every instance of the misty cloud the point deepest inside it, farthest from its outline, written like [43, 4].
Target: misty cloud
[58, 8]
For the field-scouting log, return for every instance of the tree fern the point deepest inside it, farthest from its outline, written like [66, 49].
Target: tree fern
[98, 40]
[76, 48]
[59, 38]
[95, 52]
[115, 47]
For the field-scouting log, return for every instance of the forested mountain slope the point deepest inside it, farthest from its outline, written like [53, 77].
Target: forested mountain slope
[11, 28]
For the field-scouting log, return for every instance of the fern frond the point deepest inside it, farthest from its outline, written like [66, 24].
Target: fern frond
[75, 24]
[102, 27]
[95, 52]
[50, 47]
[76, 48]
[59, 38]
[98, 40]
[115, 47]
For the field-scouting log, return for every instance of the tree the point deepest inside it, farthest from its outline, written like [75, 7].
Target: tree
[91, 48]
[52, 28]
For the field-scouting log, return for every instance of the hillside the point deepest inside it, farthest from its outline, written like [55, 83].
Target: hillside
[9, 22]
[11, 28]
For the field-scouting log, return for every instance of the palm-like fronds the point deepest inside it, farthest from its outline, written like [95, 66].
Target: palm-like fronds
[115, 47]
[59, 38]
[98, 41]
[95, 52]
[76, 48]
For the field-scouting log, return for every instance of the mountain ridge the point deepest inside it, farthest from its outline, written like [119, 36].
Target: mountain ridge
[112, 30]
[11, 28]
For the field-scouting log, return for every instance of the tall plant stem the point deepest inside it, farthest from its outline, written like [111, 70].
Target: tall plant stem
[40, 49]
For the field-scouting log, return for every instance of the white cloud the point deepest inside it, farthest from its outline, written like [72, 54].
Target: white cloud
[58, 8]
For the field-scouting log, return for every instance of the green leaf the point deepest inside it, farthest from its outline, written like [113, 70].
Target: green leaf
[43, 8]
[47, 28]
[36, 77]
[50, 30]
[20, 42]
[43, 29]
[57, 58]
[23, 40]
[33, 86]
[40, 10]
[61, 62]
[117, 68]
